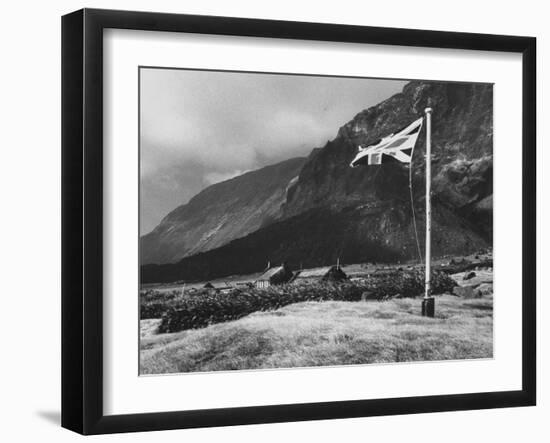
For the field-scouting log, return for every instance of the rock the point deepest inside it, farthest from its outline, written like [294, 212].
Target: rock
[464, 291]
[485, 289]
[480, 277]
[367, 295]
[457, 278]
[473, 291]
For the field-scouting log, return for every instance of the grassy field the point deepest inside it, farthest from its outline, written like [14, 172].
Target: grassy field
[328, 333]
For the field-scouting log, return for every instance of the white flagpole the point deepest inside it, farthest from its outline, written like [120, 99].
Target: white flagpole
[428, 112]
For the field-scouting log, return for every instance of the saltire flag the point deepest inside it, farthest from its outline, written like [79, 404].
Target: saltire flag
[398, 145]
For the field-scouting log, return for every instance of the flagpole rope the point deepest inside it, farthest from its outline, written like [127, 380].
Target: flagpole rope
[413, 211]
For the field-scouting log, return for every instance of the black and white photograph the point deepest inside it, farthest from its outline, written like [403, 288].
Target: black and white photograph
[294, 221]
[244, 222]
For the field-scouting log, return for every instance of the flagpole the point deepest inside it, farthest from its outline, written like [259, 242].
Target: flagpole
[428, 303]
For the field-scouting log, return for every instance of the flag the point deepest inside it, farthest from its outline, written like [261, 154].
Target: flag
[398, 145]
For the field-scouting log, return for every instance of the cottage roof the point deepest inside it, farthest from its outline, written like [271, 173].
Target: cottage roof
[270, 273]
[314, 272]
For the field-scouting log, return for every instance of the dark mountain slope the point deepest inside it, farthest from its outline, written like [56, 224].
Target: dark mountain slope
[318, 237]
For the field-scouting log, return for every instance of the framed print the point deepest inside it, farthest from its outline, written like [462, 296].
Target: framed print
[270, 221]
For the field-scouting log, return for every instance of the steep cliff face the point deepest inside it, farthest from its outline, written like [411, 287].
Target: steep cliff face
[462, 187]
[462, 140]
[221, 213]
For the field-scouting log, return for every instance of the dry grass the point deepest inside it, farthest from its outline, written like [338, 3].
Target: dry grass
[148, 327]
[329, 333]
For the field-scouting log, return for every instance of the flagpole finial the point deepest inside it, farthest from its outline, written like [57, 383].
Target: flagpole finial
[428, 110]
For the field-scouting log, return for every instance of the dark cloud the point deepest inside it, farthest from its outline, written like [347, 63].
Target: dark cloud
[200, 127]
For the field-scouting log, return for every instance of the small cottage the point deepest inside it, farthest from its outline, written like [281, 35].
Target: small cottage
[218, 288]
[276, 275]
[325, 273]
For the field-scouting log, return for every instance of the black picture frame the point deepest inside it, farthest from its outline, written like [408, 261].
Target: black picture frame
[82, 216]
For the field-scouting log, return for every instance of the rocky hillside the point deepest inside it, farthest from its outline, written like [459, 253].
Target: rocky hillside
[462, 142]
[364, 214]
[462, 168]
[221, 213]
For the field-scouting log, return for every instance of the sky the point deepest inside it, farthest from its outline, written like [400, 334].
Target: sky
[198, 128]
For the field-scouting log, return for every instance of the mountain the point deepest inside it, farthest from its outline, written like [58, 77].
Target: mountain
[462, 169]
[462, 141]
[221, 213]
[364, 214]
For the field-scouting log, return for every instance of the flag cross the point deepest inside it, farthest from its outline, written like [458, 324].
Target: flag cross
[399, 145]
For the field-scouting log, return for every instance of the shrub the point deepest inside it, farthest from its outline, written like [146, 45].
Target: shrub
[153, 304]
[192, 312]
[455, 266]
